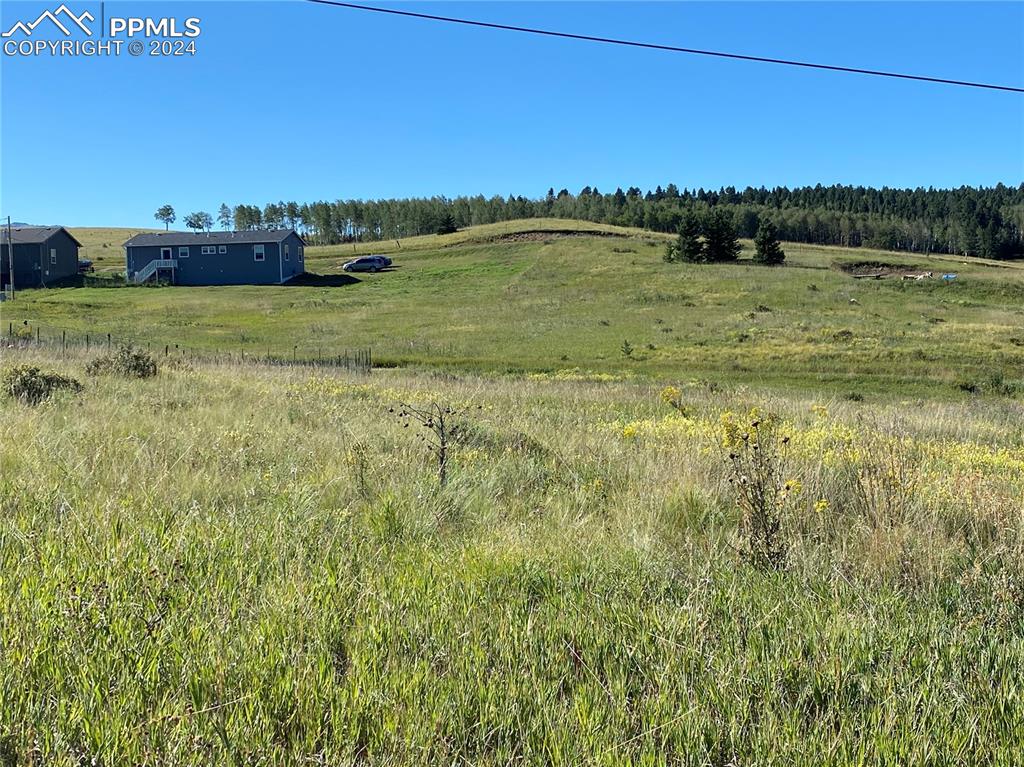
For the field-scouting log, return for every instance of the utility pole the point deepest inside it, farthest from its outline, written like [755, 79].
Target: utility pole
[10, 257]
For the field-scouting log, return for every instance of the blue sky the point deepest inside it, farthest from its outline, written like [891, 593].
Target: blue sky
[295, 101]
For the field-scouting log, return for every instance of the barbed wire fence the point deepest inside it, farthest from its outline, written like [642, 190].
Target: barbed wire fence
[25, 334]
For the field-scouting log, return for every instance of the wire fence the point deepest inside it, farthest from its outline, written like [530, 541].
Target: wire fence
[30, 334]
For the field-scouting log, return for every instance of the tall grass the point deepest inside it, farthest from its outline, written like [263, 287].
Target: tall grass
[255, 566]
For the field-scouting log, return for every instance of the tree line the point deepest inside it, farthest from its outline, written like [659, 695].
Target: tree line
[970, 221]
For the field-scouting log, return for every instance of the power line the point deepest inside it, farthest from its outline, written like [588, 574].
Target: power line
[670, 48]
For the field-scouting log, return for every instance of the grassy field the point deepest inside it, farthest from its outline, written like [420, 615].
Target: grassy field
[490, 300]
[247, 565]
[708, 515]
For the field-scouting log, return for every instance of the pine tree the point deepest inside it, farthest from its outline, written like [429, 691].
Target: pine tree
[766, 245]
[224, 216]
[447, 224]
[689, 246]
[721, 243]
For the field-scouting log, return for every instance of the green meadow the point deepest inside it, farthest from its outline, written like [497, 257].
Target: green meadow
[660, 514]
[493, 300]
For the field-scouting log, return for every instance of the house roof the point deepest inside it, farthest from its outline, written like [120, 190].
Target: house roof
[173, 239]
[33, 235]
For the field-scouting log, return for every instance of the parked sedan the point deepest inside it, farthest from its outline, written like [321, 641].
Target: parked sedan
[364, 264]
[85, 265]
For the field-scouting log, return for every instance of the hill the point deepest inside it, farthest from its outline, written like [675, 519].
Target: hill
[570, 298]
[103, 245]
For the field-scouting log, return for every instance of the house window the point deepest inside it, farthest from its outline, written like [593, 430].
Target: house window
[301, 254]
[287, 255]
[257, 253]
[209, 250]
[183, 251]
[53, 256]
[222, 249]
[165, 253]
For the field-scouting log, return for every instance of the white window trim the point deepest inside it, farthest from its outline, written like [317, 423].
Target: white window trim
[166, 253]
[287, 252]
[222, 249]
[183, 251]
[209, 250]
[53, 256]
[259, 253]
[302, 255]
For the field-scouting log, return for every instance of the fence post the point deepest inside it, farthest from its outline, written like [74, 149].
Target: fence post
[10, 330]
[167, 349]
[64, 340]
[37, 335]
[108, 342]
[87, 342]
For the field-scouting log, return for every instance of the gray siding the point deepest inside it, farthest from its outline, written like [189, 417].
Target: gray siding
[236, 266]
[292, 264]
[36, 266]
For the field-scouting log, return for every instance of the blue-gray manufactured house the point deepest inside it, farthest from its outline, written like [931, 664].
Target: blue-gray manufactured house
[43, 255]
[268, 257]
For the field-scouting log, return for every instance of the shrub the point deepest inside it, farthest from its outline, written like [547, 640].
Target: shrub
[31, 385]
[127, 362]
[994, 383]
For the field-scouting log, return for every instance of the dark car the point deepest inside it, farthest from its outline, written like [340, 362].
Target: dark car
[365, 264]
[85, 265]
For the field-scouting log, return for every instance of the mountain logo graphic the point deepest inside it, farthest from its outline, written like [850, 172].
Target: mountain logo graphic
[55, 17]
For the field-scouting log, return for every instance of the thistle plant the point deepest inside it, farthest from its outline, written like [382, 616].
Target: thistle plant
[439, 429]
[358, 456]
[758, 471]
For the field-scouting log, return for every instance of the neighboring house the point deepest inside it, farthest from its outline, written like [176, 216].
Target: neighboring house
[216, 258]
[43, 255]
